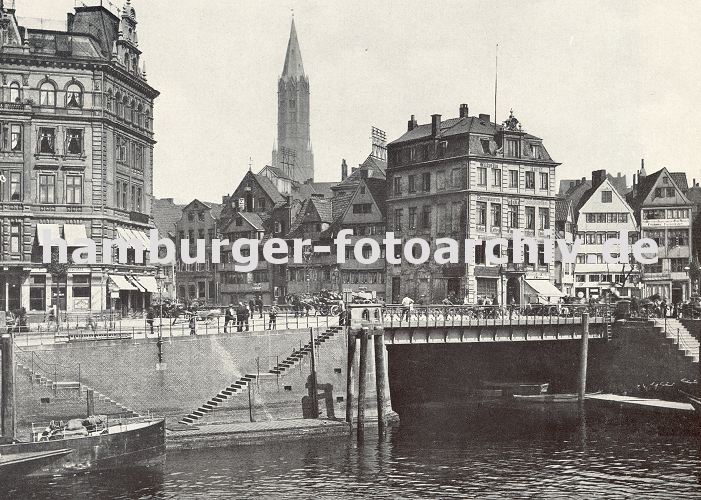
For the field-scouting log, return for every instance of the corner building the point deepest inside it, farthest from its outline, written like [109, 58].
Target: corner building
[76, 158]
[468, 177]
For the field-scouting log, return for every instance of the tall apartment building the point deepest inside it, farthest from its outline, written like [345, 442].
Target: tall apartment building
[468, 177]
[76, 158]
[665, 214]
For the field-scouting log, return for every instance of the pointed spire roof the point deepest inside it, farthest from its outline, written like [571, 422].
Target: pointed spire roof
[293, 60]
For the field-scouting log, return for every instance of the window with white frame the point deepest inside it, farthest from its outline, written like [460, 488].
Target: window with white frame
[47, 188]
[47, 94]
[74, 189]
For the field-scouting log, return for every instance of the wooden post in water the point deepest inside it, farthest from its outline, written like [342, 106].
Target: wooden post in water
[362, 382]
[90, 399]
[583, 355]
[380, 378]
[349, 376]
[312, 365]
[8, 388]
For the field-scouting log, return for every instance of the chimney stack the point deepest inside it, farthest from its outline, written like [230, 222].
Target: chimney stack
[464, 111]
[412, 124]
[597, 177]
[435, 125]
[485, 118]
[344, 169]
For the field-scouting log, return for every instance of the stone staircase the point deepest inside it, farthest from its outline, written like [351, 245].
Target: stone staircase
[242, 383]
[680, 336]
[44, 381]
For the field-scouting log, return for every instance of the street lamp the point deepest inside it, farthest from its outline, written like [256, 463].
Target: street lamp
[160, 279]
[307, 255]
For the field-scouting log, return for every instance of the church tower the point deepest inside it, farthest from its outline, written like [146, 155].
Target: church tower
[293, 151]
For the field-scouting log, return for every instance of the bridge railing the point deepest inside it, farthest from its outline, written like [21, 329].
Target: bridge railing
[397, 316]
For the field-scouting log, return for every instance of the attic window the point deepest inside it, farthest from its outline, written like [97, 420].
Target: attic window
[665, 180]
[362, 189]
[485, 146]
[536, 151]
[239, 221]
[606, 197]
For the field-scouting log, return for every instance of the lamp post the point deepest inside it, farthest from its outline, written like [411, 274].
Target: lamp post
[307, 255]
[160, 278]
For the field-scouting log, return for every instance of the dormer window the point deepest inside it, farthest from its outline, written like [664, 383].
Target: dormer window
[536, 152]
[485, 146]
[606, 197]
[512, 148]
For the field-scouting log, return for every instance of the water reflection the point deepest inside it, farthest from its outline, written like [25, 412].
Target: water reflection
[485, 450]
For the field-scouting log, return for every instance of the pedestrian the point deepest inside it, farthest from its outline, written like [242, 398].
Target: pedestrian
[272, 316]
[246, 315]
[228, 317]
[193, 324]
[407, 306]
[259, 305]
[149, 319]
[664, 308]
[239, 316]
[252, 306]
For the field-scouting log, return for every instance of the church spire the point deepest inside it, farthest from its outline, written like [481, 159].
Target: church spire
[293, 60]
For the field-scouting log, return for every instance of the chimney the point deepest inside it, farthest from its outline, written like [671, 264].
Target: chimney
[464, 110]
[435, 125]
[573, 184]
[584, 179]
[634, 177]
[597, 177]
[642, 172]
[344, 170]
[412, 124]
[484, 118]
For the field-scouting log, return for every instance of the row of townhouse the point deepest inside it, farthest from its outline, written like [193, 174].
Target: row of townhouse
[657, 207]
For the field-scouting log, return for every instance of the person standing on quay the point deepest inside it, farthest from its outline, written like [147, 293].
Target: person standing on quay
[259, 305]
[407, 306]
[228, 317]
[149, 319]
[272, 315]
[193, 324]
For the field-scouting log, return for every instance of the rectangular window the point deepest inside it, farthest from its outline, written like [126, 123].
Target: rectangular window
[74, 189]
[679, 265]
[426, 217]
[15, 237]
[481, 213]
[678, 237]
[412, 217]
[512, 148]
[125, 194]
[606, 197]
[440, 219]
[397, 185]
[119, 193]
[15, 186]
[485, 146]
[47, 188]
[513, 179]
[496, 174]
[133, 197]
[440, 180]
[426, 182]
[15, 137]
[481, 176]
[530, 218]
[138, 199]
[513, 216]
[535, 152]
[543, 180]
[398, 213]
[544, 218]
[362, 208]
[74, 141]
[47, 140]
[81, 286]
[530, 180]
[496, 215]
[412, 183]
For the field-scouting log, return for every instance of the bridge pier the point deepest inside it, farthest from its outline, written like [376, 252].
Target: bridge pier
[380, 379]
[8, 388]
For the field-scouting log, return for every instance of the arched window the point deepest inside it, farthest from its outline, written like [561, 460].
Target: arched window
[47, 94]
[125, 105]
[120, 109]
[110, 101]
[133, 111]
[15, 92]
[74, 96]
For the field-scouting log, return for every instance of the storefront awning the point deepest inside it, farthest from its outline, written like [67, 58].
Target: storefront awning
[135, 282]
[47, 232]
[148, 282]
[73, 234]
[121, 282]
[127, 234]
[544, 289]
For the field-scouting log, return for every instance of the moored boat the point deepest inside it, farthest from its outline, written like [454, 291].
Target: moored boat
[17, 465]
[113, 444]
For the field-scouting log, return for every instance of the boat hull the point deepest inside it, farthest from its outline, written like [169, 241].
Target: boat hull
[135, 446]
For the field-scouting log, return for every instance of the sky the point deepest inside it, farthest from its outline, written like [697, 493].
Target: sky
[603, 83]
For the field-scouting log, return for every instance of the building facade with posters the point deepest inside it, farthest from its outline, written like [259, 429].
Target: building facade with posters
[76, 161]
[665, 214]
[468, 177]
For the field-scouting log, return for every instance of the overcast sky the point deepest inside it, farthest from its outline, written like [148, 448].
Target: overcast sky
[603, 83]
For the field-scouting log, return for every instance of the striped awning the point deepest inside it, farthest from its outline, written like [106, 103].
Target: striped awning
[148, 282]
[129, 234]
[121, 282]
[48, 232]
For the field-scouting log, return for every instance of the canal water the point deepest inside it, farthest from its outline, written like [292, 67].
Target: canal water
[482, 450]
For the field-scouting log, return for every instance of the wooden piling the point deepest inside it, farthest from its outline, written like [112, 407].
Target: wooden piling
[8, 388]
[583, 355]
[312, 376]
[380, 379]
[349, 376]
[362, 383]
[90, 400]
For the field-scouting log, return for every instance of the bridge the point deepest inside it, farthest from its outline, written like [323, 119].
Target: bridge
[477, 323]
